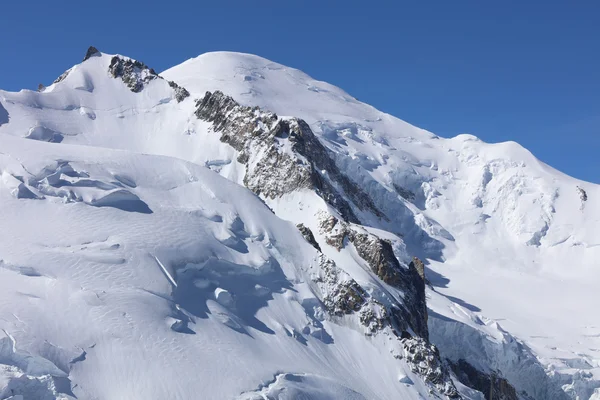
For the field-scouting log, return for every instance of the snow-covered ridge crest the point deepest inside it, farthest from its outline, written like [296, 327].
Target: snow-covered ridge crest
[135, 74]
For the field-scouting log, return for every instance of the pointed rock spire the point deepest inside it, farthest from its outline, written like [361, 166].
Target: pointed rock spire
[91, 52]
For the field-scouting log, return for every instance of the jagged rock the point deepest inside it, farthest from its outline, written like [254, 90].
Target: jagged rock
[341, 294]
[275, 172]
[491, 385]
[181, 93]
[424, 360]
[419, 266]
[308, 235]
[374, 316]
[582, 194]
[41, 87]
[335, 231]
[136, 75]
[91, 52]
[378, 253]
[380, 257]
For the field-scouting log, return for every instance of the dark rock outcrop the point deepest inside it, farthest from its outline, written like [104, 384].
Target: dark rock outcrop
[582, 194]
[136, 75]
[340, 294]
[491, 385]
[424, 360]
[275, 171]
[181, 93]
[91, 52]
[308, 235]
[379, 255]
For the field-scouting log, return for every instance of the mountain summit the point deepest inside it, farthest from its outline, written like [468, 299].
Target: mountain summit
[232, 228]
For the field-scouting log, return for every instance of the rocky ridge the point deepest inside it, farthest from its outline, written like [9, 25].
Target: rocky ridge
[136, 75]
[379, 255]
[282, 155]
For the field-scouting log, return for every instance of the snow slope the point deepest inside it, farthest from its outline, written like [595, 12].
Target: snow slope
[127, 260]
[196, 290]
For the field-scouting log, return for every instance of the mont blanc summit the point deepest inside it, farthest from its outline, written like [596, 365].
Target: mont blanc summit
[232, 228]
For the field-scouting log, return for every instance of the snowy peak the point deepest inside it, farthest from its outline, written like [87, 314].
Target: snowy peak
[134, 74]
[92, 52]
[378, 259]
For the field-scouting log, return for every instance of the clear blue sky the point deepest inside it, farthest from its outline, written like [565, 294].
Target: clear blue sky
[527, 71]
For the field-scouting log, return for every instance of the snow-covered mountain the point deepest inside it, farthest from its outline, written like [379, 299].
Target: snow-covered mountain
[233, 228]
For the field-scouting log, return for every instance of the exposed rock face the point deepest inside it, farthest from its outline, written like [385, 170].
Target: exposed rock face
[308, 235]
[582, 194]
[341, 294]
[416, 292]
[491, 385]
[136, 75]
[263, 140]
[424, 359]
[181, 93]
[419, 267]
[91, 52]
[379, 255]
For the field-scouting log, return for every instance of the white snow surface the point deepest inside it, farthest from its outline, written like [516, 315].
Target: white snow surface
[131, 270]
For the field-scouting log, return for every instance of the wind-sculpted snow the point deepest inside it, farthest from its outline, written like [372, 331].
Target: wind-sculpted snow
[300, 386]
[123, 295]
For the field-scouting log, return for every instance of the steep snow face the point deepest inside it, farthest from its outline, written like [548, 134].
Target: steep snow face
[152, 243]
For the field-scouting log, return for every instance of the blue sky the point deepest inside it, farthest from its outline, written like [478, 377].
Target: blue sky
[527, 71]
